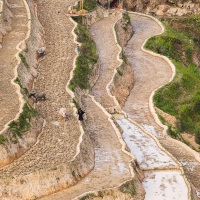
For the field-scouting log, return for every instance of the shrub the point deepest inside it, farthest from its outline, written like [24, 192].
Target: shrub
[128, 187]
[126, 17]
[2, 139]
[21, 125]
[89, 5]
[23, 59]
[197, 138]
[173, 132]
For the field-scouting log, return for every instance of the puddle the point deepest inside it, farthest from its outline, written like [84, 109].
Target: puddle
[158, 185]
[166, 185]
[144, 148]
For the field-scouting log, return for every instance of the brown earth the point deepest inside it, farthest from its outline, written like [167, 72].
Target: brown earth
[9, 101]
[52, 159]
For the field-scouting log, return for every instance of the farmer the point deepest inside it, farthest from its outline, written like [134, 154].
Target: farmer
[78, 49]
[80, 114]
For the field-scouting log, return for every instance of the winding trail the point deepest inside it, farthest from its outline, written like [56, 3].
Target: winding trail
[9, 100]
[150, 73]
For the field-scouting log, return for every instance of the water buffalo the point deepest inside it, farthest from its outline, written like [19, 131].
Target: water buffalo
[38, 96]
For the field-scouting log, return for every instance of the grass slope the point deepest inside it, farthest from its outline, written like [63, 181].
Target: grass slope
[181, 97]
[86, 59]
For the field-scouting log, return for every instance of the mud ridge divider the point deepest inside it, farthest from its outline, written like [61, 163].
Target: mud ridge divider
[71, 93]
[18, 47]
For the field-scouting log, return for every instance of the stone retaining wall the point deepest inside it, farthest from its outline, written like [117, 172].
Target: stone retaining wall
[164, 7]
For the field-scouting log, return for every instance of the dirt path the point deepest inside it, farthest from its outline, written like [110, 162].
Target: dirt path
[150, 73]
[103, 35]
[9, 100]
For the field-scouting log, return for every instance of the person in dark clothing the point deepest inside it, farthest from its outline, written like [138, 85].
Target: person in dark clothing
[80, 114]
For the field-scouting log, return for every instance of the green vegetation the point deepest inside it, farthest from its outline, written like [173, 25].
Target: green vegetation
[126, 17]
[181, 97]
[127, 20]
[23, 59]
[2, 139]
[21, 125]
[128, 187]
[89, 5]
[87, 196]
[25, 90]
[86, 59]
[76, 104]
[174, 132]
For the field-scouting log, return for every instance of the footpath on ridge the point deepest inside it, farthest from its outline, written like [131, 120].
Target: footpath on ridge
[9, 100]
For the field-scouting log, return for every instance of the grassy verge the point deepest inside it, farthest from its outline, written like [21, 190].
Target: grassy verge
[22, 124]
[89, 5]
[2, 139]
[23, 59]
[86, 59]
[24, 90]
[181, 97]
[128, 188]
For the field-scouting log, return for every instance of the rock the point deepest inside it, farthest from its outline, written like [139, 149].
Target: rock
[172, 11]
[162, 9]
[34, 72]
[181, 12]
[41, 51]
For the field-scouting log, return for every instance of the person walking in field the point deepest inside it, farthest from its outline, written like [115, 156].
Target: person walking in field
[78, 49]
[80, 114]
